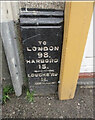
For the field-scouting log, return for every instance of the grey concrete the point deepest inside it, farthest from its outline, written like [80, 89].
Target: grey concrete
[11, 56]
[6, 78]
[43, 4]
[50, 107]
[4, 70]
[20, 51]
[10, 47]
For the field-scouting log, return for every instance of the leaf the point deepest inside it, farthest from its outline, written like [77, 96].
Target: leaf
[30, 96]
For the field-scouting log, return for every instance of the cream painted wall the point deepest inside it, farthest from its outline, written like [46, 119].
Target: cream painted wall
[89, 54]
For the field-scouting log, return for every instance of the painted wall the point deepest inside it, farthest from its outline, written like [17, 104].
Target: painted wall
[89, 54]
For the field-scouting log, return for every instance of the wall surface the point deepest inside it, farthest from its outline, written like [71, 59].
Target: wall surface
[89, 54]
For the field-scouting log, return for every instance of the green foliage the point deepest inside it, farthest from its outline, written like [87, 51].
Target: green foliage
[30, 96]
[6, 92]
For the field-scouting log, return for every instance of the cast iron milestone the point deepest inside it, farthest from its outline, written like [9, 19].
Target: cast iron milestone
[42, 37]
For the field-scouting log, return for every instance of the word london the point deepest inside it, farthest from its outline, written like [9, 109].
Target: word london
[45, 48]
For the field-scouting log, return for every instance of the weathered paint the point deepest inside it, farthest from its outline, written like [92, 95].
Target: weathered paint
[87, 75]
[77, 21]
